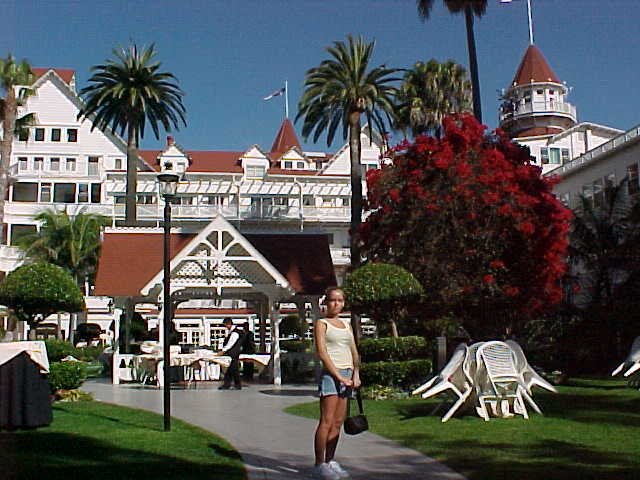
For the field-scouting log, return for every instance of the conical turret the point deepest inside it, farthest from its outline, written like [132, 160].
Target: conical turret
[535, 102]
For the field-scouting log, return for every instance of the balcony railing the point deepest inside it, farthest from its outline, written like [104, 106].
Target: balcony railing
[539, 108]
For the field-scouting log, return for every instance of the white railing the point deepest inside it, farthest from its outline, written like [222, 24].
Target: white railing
[32, 208]
[341, 213]
[10, 258]
[599, 150]
[540, 107]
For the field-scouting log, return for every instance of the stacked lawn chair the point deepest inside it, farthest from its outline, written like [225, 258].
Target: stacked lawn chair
[494, 373]
[631, 364]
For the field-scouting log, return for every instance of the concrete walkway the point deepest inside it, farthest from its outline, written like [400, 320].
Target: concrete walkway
[275, 445]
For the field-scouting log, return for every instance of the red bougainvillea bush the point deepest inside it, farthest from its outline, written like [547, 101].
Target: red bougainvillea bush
[474, 221]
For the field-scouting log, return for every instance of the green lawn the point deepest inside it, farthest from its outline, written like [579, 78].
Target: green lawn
[99, 441]
[589, 431]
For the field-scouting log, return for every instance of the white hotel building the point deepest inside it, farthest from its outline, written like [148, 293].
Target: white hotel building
[299, 201]
[275, 220]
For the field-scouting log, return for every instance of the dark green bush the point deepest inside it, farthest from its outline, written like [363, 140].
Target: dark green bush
[296, 345]
[405, 375]
[66, 375]
[394, 349]
[58, 349]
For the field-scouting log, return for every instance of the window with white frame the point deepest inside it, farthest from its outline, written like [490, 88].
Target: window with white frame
[118, 164]
[25, 192]
[93, 166]
[146, 199]
[54, 164]
[96, 193]
[72, 135]
[45, 193]
[23, 163]
[64, 193]
[39, 135]
[186, 200]
[308, 201]
[554, 156]
[56, 133]
[300, 165]
[254, 171]
[38, 164]
[288, 164]
[83, 193]
[70, 164]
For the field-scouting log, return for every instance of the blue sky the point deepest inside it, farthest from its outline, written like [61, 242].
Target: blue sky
[228, 54]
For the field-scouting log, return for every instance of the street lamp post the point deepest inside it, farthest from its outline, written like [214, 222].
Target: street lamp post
[168, 186]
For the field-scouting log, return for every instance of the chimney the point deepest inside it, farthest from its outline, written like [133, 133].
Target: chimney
[169, 140]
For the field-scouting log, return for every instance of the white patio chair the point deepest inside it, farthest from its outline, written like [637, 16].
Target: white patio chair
[632, 362]
[451, 377]
[529, 375]
[502, 382]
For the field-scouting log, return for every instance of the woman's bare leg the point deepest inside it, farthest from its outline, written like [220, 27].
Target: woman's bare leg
[327, 410]
[339, 415]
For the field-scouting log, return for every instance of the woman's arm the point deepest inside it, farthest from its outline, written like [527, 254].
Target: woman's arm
[319, 336]
[356, 365]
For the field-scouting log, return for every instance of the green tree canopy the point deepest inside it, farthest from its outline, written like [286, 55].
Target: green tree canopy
[71, 242]
[428, 93]
[127, 93]
[38, 290]
[383, 290]
[12, 76]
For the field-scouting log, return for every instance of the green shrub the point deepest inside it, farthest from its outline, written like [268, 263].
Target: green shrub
[405, 375]
[296, 345]
[66, 375]
[58, 349]
[381, 392]
[395, 349]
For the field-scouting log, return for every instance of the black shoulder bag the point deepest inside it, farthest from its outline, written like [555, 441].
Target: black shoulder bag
[358, 423]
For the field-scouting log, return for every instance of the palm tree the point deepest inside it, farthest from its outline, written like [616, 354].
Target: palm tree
[337, 93]
[71, 242]
[127, 92]
[605, 258]
[428, 93]
[15, 80]
[470, 8]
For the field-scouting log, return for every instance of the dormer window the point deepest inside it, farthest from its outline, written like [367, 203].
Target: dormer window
[254, 171]
[288, 164]
[300, 165]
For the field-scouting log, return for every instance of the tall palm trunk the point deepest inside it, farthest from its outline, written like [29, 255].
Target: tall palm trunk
[130, 212]
[355, 149]
[8, 127]
[473, 63]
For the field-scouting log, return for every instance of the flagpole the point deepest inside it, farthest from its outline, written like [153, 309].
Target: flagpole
[286, 99]
[530, 22]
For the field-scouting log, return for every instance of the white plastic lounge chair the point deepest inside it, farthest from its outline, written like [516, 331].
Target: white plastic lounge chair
[503, 382]
[632, 362]
[451, 377]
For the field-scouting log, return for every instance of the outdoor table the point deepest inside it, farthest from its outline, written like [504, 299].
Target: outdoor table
[24, 389]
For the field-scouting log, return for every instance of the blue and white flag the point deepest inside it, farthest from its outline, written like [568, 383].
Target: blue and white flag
[277, 93]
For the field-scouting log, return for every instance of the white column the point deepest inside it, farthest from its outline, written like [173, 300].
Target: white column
[274, 317]
[117, 313]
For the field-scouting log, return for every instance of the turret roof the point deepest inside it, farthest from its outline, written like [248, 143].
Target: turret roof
[286, 138]
[534, 68]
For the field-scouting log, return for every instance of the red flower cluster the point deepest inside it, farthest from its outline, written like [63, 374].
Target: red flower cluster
[474, 205]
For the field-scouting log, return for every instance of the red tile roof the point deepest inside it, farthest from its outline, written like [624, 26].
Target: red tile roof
[286, 138]
[305, 260]
[65, 73]
[202, 161]
[538, 131]
[534, 68]
[129, 260]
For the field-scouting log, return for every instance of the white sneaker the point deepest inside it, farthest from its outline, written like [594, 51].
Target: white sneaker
[336, 467]
[325, 472]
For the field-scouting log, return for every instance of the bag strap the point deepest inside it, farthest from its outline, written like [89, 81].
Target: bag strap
[359, 400]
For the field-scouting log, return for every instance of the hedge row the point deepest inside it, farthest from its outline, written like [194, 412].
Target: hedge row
[390, 349]
[404, 375]
[58, 349]
[66, 375]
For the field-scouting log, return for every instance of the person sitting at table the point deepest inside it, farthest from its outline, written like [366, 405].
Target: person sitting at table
[231, 346]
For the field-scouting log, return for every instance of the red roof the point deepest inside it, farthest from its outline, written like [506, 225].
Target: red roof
[65, 73]
[534, 68]
[201, 161]
[538, 131]
[285, 139]
[128, 261]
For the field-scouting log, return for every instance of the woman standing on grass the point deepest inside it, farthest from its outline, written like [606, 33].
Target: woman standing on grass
[336, 348]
